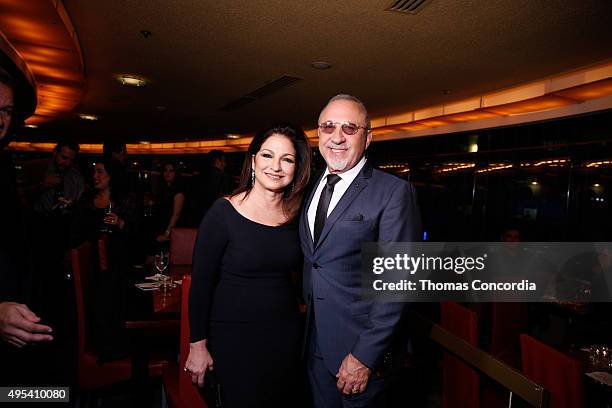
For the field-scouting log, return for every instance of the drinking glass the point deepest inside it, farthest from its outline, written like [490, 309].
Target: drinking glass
[106, 227]
[161, 264]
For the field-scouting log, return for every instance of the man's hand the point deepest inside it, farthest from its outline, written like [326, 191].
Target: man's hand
[353, 376]
[19, 325]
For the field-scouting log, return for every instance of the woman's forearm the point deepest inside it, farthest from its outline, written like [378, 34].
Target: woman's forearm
[177, 208]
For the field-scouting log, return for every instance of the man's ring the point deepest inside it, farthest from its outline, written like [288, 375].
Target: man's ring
[356, 388]
[186, 369]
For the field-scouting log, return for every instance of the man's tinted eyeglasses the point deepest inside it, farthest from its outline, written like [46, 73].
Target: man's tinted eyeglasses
[7, 110]
[348, 128]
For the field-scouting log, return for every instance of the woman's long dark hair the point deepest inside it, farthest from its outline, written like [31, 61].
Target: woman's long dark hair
[294, 192]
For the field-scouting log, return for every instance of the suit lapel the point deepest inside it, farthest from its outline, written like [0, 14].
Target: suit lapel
[360, 182]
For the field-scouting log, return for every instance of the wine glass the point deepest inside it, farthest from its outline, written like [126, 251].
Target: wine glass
[106, 227]
[161, 264]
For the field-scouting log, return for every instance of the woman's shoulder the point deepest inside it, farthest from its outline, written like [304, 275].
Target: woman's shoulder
[217, 216]
[220, 208]
[178, 189]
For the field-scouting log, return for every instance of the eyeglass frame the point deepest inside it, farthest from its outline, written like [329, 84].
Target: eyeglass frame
[342, 124]
[7, 110]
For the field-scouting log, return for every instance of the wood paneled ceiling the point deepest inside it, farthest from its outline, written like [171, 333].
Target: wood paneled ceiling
[202, 56]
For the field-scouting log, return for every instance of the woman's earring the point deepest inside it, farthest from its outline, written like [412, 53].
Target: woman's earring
[252, 177]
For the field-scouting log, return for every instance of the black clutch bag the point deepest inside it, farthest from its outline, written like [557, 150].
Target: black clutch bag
[212, 390]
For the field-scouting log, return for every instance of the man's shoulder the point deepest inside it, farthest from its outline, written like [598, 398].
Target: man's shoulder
[388, 179]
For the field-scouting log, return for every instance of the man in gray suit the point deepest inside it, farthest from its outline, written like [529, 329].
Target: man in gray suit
[350, 341]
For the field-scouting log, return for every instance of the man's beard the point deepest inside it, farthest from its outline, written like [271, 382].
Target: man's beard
[337, 164]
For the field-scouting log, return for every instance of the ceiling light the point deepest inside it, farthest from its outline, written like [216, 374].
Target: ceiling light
[231, 136]
[131, 80]
[85, 116]
[31, 126]
[144, 142]
[321, 65]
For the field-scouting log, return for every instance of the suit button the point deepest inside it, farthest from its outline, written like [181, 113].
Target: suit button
[315, 265]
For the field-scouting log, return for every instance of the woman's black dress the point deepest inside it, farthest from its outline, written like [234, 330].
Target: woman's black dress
[242, 300]
[106, 314]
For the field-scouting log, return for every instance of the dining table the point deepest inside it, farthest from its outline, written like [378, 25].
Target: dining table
[152, 321]
[597, 370]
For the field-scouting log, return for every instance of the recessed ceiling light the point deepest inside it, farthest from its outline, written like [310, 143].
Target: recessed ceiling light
[231, 136]
[321, 65]
[86, 116]
[131, 80]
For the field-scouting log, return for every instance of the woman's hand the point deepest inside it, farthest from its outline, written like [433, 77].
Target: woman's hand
[198, 361]
[113, 219]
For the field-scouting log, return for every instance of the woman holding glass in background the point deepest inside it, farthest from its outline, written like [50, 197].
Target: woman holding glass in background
[108, 210]
[243, 308]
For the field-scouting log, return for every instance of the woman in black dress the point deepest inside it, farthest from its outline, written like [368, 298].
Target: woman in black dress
[169, 203]
[243, 311]
[107, 210]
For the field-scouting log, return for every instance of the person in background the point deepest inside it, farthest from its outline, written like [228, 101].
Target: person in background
[52, 187]
[214, 183]
[108, 210]
[55, 185]
[114, 150]
[169, 202]
[137, 188]
[19, 326]
[246, 249]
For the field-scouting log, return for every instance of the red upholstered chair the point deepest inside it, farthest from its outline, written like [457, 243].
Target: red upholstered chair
[461, 384]
[182, 241]
[558, 373]
[103, 252]
[91, 374]
[508, 321]
[180, 390]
